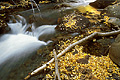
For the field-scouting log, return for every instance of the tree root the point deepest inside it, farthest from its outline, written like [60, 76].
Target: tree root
[72, 45]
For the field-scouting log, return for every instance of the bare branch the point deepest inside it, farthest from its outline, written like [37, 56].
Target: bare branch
[72, 45]
[56, 65]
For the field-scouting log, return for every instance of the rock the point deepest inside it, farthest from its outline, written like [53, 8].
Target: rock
[47, 15]
[73, 23]
[114, 21]
[39, 20]
[61, 5]
[112, 11]
[81, 21]
[99, 47]
[114, 51]
[101, 4]
[3, 27]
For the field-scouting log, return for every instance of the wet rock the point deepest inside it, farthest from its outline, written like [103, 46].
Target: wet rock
[99, 47]
[115, 21]
[81, 21]
[114, 51]
[3, 27]
[43, 20]
[47, 16]
[112, 11]
[61, 6]
[101, 4]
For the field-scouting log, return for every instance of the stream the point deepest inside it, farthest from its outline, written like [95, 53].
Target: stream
[27, 35]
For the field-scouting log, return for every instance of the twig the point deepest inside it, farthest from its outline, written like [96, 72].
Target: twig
[32, 1]
[72, 45]
[56, 65]
[13, 2]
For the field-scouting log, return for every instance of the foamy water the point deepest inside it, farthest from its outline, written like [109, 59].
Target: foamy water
[80, 2]
[16, 46]
[19, 44]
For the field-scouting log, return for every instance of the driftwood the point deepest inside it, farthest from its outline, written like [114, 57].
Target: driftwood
[72, 45]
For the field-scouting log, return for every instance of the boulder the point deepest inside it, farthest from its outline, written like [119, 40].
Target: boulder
[115, 21]
[112, 11]
[114, 51]
[49, 16]
[73, 23]
[101, 4]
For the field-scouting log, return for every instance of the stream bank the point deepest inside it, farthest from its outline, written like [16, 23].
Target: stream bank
[86, 61]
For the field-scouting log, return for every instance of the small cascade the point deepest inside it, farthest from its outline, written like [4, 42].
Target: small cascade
[76, 3]
[44, 32]
[25, 39]
[20, 44]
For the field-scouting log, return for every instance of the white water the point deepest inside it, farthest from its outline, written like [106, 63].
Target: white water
[88, 1]
[19, 44]
[80, 2]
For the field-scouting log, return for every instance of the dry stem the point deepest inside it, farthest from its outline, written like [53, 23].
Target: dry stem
[72, 45]
[56, 65]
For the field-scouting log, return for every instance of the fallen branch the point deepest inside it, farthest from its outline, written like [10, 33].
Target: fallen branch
[56, 65]
[72, 45]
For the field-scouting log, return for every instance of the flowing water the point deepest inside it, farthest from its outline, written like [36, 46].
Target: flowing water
[20, 43]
